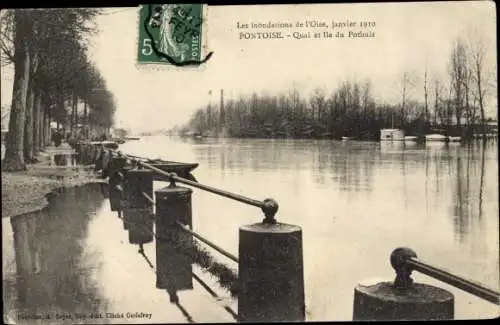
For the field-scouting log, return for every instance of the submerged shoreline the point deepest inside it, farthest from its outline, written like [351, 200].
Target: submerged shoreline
[27, 191]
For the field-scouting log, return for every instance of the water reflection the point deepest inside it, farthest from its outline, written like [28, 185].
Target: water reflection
[345, 163]
[391, 146]
[75, 260]
[356, 202]
[352, 167]
[469, 171]
[53, 274]
[174, 269]
[140, 225]
[349, 168]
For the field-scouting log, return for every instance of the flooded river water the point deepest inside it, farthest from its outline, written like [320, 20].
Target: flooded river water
[355, 201]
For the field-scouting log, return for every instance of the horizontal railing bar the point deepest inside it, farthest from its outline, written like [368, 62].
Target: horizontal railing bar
[149, 198]
[209, 243]
[458, 282]
[137, 157]
[140, 158]
[207, 188]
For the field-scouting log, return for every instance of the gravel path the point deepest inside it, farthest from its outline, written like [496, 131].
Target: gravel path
[25, 191]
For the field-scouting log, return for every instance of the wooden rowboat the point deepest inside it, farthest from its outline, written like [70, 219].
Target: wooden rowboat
[181, 169]
[105, 144]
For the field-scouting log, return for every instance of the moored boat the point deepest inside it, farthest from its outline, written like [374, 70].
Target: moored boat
[181, 169]
[197, 135]
[435, 137]
[454, 139]
[106, 144]
[346, 138]
[411, 138]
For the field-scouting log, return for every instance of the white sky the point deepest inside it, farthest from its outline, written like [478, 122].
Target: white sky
[408, 36]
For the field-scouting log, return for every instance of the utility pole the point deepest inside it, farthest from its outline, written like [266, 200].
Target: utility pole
[209, 111]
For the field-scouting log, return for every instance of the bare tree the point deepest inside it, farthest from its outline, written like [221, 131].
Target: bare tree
[470, 109]
[29, 117]
[37, 43]
[7, 37]
[426, 101]
[458, 72]
[14, 155]
[437, 100]
[318, 104]
[407, 82]
[477, 53]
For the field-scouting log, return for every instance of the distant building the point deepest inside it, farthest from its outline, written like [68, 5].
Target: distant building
[392, 135]
[492, 127]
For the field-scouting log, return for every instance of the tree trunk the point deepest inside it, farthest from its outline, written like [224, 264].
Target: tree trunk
[481, 100]
[426, 108]
[75, 114]
[42, 128]
[37, 125]
[31, 112]
[72, 115]
[48, 131]
[89, 124]
[61, 116]
[85, 119]
[28, 126]
[14, 159]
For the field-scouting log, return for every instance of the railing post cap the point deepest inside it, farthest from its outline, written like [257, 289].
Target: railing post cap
[400, 255]
[269, 207]
[171, 179]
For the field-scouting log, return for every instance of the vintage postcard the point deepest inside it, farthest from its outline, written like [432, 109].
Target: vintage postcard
[179, 163]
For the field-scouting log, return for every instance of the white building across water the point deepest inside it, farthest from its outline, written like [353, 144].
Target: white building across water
[392, 135]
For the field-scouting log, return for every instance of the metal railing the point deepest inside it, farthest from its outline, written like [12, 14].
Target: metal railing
[263, 259]
[194, 275]
[186, 229]
[404, 261]
[268, 206]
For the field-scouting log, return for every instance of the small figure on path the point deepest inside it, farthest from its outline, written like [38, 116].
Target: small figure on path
[56, 137]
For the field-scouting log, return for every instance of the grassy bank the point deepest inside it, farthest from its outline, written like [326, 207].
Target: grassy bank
[25, 191]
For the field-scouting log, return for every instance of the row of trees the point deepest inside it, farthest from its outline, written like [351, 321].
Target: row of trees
[457, 107]
[52, 75]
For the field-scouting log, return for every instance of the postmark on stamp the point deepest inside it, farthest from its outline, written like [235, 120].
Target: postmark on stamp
[172, 34]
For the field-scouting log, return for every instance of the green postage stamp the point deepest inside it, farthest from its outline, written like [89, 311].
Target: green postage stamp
[171, 33]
